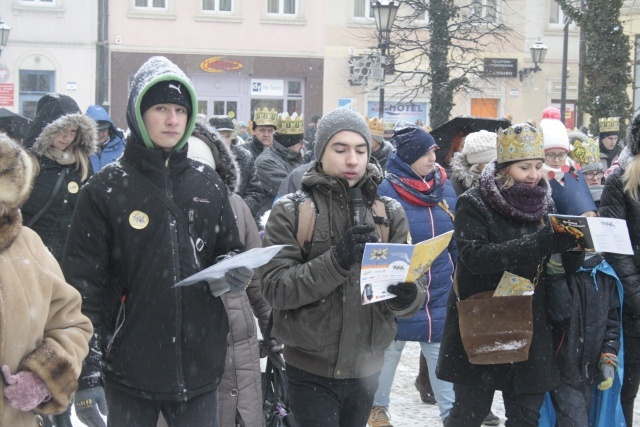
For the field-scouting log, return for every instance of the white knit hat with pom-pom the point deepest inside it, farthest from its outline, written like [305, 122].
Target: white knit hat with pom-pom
[480, 147]
[553, 130]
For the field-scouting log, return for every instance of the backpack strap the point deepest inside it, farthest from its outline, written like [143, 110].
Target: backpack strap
[445, 207]
[381, 220]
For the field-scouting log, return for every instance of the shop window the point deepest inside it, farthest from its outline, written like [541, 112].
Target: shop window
[34, 84]
[217, 5]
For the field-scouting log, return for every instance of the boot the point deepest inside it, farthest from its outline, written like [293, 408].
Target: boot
[423, 383]
[379, 417]
[491, 420]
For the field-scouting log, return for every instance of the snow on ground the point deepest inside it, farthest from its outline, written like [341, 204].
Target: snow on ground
[407, 410]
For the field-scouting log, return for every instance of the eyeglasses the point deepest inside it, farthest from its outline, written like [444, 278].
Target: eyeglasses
[557, 156]
[591, 175]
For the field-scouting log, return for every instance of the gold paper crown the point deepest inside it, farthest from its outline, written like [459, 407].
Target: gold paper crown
[609, 124]
[264, 117]
[388, 126]
[520, 142]
[290, 125]
[376, 126]
[585, 151]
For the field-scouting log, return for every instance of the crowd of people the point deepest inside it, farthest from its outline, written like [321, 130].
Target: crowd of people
[114, 336]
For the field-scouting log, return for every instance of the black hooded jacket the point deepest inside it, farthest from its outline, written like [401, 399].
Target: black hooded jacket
[127, 249]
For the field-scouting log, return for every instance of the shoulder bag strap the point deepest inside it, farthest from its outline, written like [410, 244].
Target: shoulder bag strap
[445, 206]
[153, 189]
[54, 193]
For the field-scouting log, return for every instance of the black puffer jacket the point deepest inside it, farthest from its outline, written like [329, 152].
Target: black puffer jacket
[57, 113]
[126, 245]
[615, 203]
[249, 187]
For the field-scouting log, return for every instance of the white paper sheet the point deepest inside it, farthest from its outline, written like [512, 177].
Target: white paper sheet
[610, 235]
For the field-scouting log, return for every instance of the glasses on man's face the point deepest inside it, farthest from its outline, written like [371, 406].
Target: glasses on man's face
[592, 175]
[556, 156]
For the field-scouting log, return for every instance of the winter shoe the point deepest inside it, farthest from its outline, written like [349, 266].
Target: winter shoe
[423, 383]
[379, 417]
[491, 420]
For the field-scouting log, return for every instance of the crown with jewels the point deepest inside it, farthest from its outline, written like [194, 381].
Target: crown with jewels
[290, 124]
[376, 126]
[609, 124]
[520, 142]
[585, 151]
[265, 117]
[572, 196]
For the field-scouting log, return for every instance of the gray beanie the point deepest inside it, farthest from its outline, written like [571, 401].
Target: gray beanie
[340, 119]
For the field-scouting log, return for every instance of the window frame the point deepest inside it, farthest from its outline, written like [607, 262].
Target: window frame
[560, 24]
[220, 16]
[38, 5]
[281, 18]
[483, 11]
[168, 12]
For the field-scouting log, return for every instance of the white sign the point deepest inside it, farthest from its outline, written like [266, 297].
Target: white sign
[71, 86]
[267, 87]
[514, 92]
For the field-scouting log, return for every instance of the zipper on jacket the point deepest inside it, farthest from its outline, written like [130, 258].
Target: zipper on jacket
[182, 392]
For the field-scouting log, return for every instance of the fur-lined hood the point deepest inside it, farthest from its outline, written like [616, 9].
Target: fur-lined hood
[16, 178]
[464, 172]
[226, 164]
[87, 134]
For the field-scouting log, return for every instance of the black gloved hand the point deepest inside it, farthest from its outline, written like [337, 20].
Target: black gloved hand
[551, 242]
[89, 404]
[350, 247]
[272, 345]
[405, 293]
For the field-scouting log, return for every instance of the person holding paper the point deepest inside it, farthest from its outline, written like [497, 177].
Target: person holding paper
[421, 187]
[333, 344]
[620, 199]
[498, 227]
[143, 224]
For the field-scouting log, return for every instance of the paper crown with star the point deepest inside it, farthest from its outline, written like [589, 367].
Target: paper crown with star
[572, 196]
[585, 151]
[520, 142]
[376, 126]
[265, 117]
[290, 124]
[609, 124]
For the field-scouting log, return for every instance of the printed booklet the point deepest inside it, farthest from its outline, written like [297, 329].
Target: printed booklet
[385, 264]
[595, 234]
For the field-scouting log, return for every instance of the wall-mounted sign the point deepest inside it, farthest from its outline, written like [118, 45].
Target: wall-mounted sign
[6, 95]
[4, 73]
[219, 65]
[500, 67]
[347, 102]
[267, 87]
[72, 86]
[406, 111]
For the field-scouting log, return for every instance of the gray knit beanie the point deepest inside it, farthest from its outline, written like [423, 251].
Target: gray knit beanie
[340, 119]
[480, 147]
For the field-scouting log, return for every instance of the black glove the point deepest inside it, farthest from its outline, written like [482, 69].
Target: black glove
[405, 293]
[89, 404]
[551, 242]
[272, 345]
[350, 247]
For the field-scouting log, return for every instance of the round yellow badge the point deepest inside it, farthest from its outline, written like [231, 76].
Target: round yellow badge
[73, 187]
[138, 220]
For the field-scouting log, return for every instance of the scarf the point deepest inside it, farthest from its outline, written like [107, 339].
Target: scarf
[64, 158]
[519, 202]
[420, 192]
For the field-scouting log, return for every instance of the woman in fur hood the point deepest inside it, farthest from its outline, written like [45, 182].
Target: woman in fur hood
[43, 334]
[62, 138]
[239, 392]
[466, 166]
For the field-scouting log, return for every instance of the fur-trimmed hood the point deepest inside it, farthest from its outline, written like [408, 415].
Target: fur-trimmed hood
[464, 172]
[87, 134]
[16, 179]
[226, 164]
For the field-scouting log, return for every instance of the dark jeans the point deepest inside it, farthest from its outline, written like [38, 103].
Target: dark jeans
[571, 404]
[328, 402]
[127, 410]
[474, 403]
[631, 376]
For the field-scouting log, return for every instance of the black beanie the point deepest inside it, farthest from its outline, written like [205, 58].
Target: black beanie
[166, 92]
[288, 140]
[412, 142]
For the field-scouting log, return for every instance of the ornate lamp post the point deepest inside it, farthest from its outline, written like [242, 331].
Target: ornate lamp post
[4, 34]
[538, 52]
[384, 13]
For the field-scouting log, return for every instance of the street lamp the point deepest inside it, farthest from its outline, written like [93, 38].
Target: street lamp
[4, 34]
[538, 52]
[384, 14]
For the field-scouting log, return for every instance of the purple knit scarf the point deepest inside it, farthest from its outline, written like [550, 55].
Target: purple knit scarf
[519, 202]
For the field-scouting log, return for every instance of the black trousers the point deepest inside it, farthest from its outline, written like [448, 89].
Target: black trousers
[126, 410]
[328, 402]
[474, 403]
[631, 379]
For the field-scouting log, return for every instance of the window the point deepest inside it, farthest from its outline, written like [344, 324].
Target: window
[362, 9]
[33, 86]
[151, 4]
[556, 15]
[39, 2]
[485, 10]
[282, 7]
[217, 5]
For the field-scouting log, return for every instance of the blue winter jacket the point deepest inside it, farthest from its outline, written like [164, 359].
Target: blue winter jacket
[113, 149]
[424, 223]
